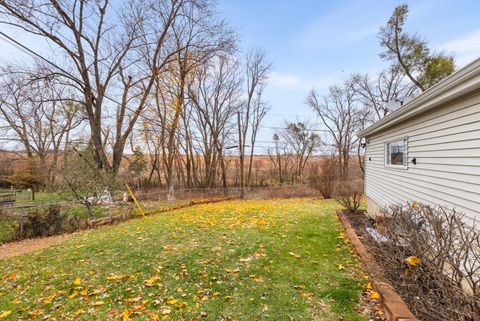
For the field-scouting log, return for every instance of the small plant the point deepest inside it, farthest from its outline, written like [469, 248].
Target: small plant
[349, 194]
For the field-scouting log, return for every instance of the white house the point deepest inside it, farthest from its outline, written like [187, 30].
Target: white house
[428, 150]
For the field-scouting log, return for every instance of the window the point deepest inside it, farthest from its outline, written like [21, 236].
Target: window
[396, 153]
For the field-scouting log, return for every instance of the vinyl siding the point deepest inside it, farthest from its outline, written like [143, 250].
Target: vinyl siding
[446, 144]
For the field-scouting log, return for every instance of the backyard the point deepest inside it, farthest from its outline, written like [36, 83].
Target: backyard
[235, 260]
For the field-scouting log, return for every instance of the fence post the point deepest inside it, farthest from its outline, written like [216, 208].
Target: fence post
[110, 217]
[22, 215]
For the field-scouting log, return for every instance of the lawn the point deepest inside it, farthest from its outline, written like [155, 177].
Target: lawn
[236, 260]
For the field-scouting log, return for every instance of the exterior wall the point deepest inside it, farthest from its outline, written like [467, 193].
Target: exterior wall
[373, 209]
[446, 145]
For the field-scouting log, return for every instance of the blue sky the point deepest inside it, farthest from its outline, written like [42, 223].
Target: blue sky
[315, 43]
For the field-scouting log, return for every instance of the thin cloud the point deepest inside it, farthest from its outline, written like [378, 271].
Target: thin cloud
[304, 83]
[339, 28]
[465, 48]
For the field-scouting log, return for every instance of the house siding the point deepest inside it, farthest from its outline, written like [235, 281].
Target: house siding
[446, 145]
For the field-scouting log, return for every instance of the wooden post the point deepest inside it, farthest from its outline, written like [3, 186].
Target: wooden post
[240, 147]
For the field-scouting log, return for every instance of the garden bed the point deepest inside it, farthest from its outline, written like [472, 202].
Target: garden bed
[393, 304]
[430, 291]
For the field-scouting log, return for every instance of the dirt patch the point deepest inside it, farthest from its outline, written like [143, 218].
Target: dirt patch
[30, 245]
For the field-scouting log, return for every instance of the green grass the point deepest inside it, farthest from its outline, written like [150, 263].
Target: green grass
[25, 198]
[239, 260]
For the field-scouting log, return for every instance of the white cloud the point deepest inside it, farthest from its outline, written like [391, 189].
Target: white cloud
[341, 27]
[285, 80]
[465, 48]
[304, 82]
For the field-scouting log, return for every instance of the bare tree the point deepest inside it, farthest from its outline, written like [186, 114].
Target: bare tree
[343, 118]
[38, 113]
[303, 142]
[376, 94]
[215, 95]
[249, 117]
[106, 56]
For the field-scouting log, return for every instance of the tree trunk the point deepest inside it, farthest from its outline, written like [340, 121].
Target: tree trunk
[240, 147]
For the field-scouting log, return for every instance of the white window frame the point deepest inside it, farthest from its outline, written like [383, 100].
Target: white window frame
[405, 157]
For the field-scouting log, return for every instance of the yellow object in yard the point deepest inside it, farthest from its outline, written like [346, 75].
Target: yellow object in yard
[135, 200]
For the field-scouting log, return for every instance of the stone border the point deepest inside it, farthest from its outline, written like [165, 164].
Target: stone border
[396, 309]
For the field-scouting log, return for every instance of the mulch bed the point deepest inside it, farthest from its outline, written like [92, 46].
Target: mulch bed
[359, 221]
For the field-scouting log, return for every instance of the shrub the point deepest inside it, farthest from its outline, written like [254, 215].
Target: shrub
[46, 223]
[349, 194]
[445, 284]
[323, 177]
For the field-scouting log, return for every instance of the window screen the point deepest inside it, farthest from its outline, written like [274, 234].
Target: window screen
[397, 153]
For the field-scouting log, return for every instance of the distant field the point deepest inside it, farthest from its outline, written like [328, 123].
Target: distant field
[237, 260]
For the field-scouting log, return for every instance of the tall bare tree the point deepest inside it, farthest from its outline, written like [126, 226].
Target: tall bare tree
[105, 53]
[215, 95]
[378, 93]
[257, 71]
[342, 117]
[39, 113]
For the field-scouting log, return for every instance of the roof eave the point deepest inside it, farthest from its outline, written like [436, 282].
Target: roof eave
[459, 83]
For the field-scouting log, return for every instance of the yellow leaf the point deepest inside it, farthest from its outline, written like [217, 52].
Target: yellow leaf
[74, 294]
[172, 301]
[95, 292]
[125, 315]
[412, 260]
[368, 286]
[374, 295]
[5, 314]
[78, 312]
[414, 205]
[77, 281]
[97, 303]
[151, 281]
[36, 312]
[114, 277]
[83, 293]
[91, 272]
[341, 267]
[49, 299]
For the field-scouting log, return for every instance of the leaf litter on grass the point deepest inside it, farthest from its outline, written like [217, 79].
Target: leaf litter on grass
[238, 260]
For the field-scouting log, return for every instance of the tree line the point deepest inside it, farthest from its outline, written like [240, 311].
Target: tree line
[158, 93]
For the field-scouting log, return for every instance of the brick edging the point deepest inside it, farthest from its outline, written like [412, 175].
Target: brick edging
[396, 309]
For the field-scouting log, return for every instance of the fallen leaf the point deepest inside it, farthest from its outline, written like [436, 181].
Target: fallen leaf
[125, 315]
[374, 295]
[413, 260]
[74, 294]
[78, 312]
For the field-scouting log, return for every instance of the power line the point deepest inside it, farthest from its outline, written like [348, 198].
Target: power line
[304, 129]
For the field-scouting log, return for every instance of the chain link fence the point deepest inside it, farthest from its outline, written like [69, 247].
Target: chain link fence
[20, 221]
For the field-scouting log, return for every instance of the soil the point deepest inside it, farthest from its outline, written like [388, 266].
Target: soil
[26, 246]
[359, 222]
